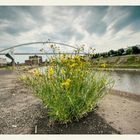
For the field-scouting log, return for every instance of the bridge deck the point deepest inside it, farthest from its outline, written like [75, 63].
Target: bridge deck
[40, 53]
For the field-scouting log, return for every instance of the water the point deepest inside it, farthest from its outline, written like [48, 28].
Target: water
[124, 81]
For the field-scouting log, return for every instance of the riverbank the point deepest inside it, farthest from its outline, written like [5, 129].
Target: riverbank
[121, 112]
[118, 69]
[22, 113]
[118, 62]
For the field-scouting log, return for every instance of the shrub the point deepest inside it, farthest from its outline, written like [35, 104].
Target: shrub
[131, 59]
[129, 51]
[69, 88]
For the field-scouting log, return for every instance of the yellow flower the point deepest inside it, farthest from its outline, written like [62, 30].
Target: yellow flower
[62, 58]
[62, 71]
[35, 72]
[49, 77]
[77, 58]
[50, 72]
[38, 74]
[66, 84]
[72, 61]
[73, 65]
[103, 65]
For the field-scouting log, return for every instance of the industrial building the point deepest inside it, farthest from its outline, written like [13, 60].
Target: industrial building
[34, 60]
[3, 61]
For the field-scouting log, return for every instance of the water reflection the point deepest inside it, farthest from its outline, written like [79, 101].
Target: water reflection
[126, 81]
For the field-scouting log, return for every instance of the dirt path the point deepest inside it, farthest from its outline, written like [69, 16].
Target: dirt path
[18, 108]
[21, 112]
[121, 113]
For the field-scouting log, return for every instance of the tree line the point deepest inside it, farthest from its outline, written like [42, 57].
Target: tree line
[119, 52]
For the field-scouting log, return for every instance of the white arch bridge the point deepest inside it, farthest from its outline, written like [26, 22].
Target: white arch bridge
[3, 51]
[41, 42]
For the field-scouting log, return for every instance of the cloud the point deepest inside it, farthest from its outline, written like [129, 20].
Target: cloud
[101, 27]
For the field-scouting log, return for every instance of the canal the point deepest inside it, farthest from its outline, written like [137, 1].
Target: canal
[128, 81]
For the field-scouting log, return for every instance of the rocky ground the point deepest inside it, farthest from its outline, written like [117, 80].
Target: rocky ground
[23, 113]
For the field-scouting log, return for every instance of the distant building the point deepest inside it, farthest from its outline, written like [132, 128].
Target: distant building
[3, 61]
[28, 62]
[34, 60]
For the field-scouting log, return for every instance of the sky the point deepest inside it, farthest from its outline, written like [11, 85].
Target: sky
[101, 27]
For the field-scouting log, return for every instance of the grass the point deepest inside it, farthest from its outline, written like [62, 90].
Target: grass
[132, 66]
[68, 88]
[6, 67]
[129, 61]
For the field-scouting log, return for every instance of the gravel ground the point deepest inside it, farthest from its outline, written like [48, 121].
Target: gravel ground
[122, 113]
[18, 107]
[23, 113]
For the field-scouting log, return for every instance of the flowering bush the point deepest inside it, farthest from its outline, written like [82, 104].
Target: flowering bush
[69, 88]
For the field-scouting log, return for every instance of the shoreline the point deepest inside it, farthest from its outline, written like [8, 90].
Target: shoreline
[127, 95]
[121, 112]
[118, 69]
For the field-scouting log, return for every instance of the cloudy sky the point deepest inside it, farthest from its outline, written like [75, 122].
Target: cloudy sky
[103, 28]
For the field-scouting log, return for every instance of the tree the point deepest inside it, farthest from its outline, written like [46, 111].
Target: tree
[111, 52]
[104, 54]
[115, 53]
[120, 51]
[135, 50]
[129, 51]
[95, 55]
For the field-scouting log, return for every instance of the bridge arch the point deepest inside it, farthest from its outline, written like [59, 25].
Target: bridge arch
[41, 42]
[31, 43]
